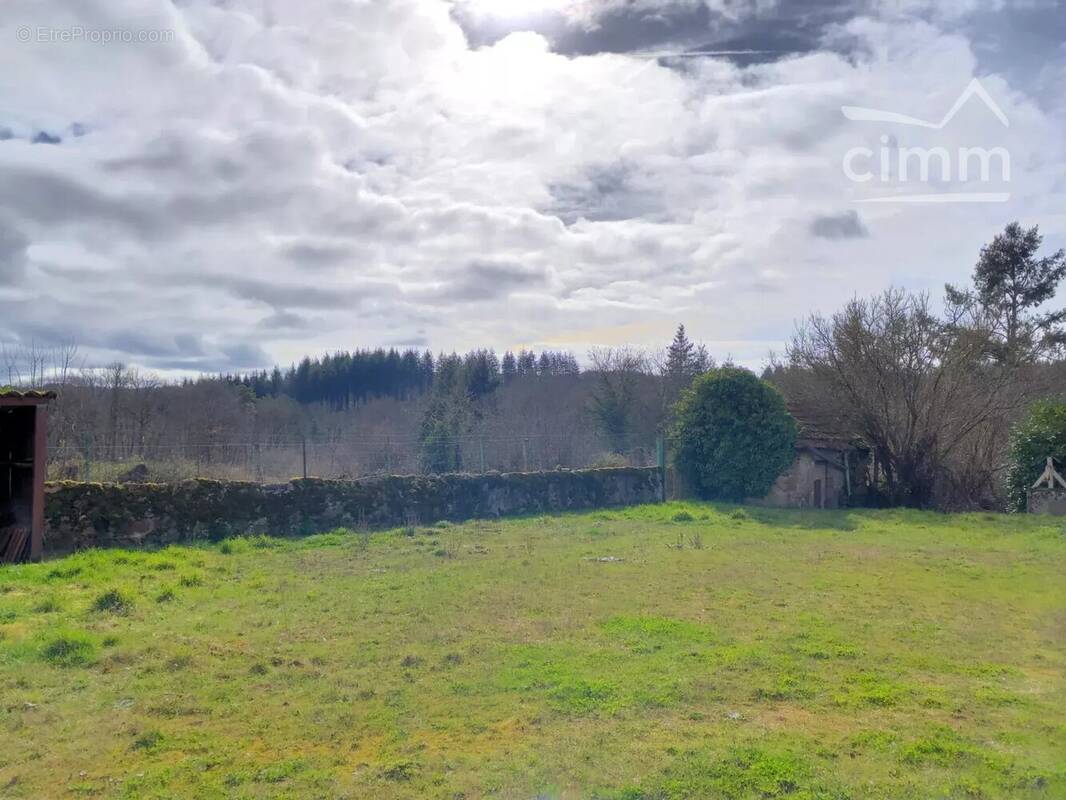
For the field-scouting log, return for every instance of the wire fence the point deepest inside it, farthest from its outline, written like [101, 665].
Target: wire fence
[340, 457]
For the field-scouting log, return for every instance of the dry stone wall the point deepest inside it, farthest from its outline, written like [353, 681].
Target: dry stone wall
[81, 515]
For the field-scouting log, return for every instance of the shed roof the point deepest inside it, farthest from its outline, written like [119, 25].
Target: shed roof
[821, 428]
[11, 393]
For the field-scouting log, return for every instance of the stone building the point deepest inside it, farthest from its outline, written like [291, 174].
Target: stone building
[831, 466]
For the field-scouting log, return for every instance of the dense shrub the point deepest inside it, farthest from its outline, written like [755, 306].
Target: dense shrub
[1041, 434]
[733, 436]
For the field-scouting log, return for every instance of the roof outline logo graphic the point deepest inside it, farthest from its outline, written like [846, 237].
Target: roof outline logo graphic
[892, 165]
[973, 89]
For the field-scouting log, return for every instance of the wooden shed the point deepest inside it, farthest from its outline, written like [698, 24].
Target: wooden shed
[23, 468]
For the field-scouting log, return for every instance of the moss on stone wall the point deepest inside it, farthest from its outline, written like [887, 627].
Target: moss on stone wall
[80, 515]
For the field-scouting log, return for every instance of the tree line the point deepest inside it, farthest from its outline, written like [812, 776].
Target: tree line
[343, 379]
[933, 386]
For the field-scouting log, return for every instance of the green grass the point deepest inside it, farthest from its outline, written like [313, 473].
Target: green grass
[677, 651]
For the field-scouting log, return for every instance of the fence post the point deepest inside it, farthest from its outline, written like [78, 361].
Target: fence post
[87, 451]
[303, 448]
[481, 447]
[525, 455]
[660, 461]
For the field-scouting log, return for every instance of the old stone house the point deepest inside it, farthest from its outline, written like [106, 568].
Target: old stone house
[831, 466]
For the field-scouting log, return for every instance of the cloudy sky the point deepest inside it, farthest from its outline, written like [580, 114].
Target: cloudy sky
[232, 183]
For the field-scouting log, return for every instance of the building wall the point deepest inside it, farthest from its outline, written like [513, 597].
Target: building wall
[795, 487]
[1047, 501]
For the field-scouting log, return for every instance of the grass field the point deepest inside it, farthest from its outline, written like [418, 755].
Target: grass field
[655, 652]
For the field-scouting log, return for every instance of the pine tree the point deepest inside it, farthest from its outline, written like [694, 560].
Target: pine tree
[681, 356]
[544, 364]
[1009, 283]
[509, 366]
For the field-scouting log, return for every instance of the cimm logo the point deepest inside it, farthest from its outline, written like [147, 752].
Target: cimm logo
[951, 174]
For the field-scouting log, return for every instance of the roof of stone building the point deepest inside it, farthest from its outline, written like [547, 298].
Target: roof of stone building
[11, 393]
[821, 428]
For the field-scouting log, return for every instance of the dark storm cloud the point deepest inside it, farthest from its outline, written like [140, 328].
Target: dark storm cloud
[314, 253]
[233, 359]
[284, 295]
[52, 199]
[13, 244]
[847, 225]
[141, 342]
[246, 355]
[767, 33]
[283, 320]
[608, 194]
[1016, 38]
[491, 280]
[44, 137]
[418, 341]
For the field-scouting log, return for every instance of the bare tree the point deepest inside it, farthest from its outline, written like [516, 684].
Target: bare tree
[613, 404]
[923, 393]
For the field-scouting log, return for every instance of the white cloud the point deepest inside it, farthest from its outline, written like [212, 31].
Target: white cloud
[260, 186]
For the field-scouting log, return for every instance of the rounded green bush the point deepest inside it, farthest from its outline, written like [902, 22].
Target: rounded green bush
[733, 435]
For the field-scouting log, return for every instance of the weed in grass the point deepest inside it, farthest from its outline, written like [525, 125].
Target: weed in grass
[166, 596]
[178, 662]
[191, 581]
[69, 649]
[64, 573]
[682, 516]
[942, 748]
[113, 601]
[399, 770]
[870, 689]
[783, 687]
[583, 697]
[995, 696]
[48, 605]
[149, 740]
[744, 772]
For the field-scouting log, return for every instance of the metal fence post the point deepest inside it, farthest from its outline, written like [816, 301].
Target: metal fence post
[87, 452]
[481, 447]
[303, 447]
[660, 461]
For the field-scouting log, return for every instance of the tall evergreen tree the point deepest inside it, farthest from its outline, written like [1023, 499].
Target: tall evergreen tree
[1010, 282]
[680, 356]
[509, 366]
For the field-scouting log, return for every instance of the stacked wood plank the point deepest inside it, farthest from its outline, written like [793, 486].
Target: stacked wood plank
[13, 543]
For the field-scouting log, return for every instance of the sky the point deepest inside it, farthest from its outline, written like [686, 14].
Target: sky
[196, 186]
